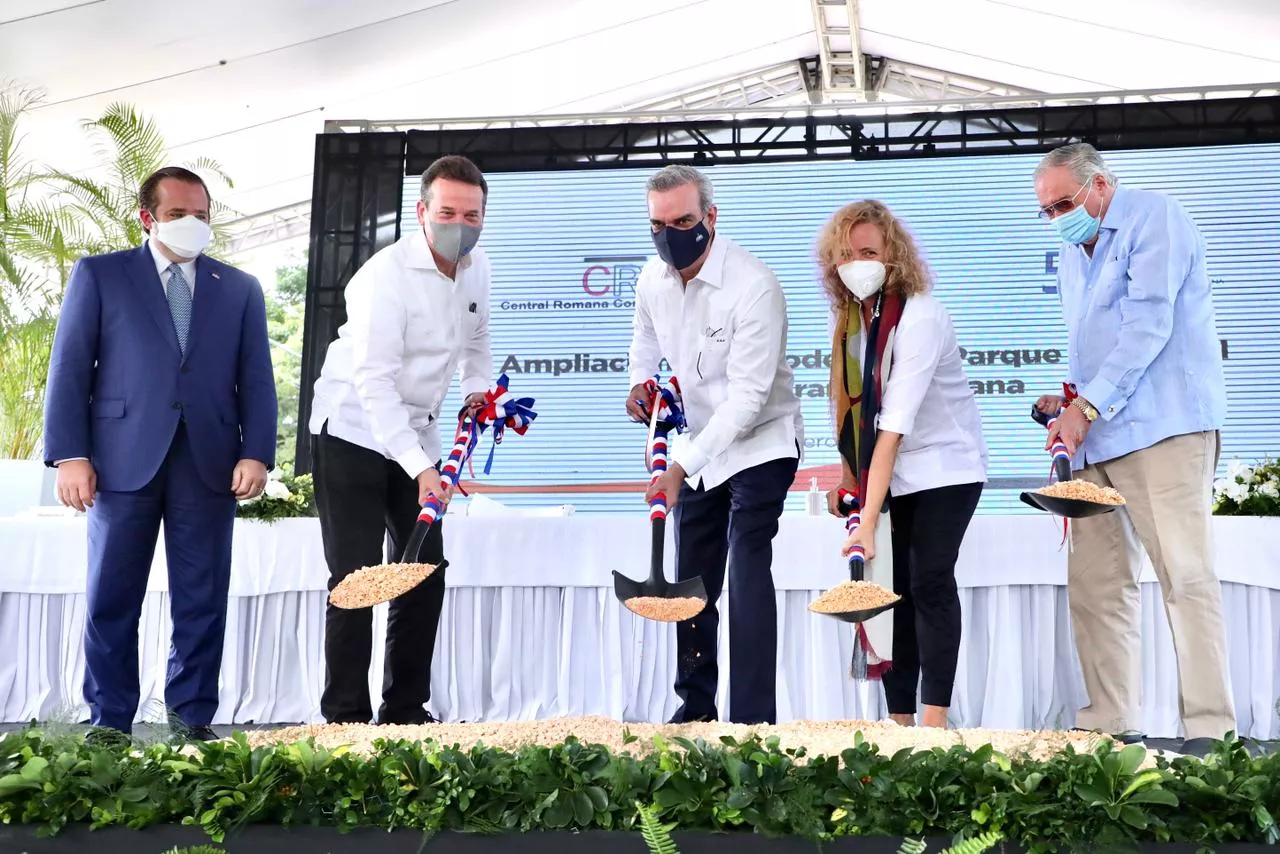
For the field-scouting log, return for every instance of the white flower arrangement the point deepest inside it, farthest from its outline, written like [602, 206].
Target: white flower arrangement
[1248, 490]
[286, 496]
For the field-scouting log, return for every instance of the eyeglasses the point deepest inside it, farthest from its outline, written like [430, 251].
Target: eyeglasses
[1061, 206]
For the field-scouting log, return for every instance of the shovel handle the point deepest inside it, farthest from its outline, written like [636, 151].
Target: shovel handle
[431, 511]
[658, 525]
[857, 564]
[1058, 450]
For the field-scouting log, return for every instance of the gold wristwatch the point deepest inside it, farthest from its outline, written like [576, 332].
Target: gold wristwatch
[1090, 413]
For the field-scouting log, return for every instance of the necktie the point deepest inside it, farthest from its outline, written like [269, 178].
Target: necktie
[179, 293]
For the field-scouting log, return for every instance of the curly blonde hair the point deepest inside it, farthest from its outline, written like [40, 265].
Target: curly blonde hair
[906, 274]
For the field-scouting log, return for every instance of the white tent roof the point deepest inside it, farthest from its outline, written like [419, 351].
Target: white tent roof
[250, 82]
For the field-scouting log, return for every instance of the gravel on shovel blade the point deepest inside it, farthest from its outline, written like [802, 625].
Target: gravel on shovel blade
[1082, 490]
[853, 596]
[665, 610]
[373, 585]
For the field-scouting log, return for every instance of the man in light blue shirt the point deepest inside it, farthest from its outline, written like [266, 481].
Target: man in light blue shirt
[1145, 364]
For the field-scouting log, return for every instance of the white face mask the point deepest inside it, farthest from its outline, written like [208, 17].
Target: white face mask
[186, 237]
[862, 278]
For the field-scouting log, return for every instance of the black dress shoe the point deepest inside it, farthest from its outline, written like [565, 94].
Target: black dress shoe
[1203, 746]
[107, 738]
[1198, 747]
[1129, 737]
[184, 734]
[695, 719]
[419, 719]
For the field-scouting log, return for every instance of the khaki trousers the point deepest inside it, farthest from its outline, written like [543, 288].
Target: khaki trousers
[1168, 493]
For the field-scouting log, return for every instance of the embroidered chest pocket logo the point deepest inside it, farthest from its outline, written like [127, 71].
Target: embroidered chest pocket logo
[716, 336]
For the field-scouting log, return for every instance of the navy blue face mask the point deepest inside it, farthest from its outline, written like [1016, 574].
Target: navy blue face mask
[680, 247]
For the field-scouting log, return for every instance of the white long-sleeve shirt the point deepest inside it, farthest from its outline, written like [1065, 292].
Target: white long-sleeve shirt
[928, 401]
[409, 328]
[725, 337]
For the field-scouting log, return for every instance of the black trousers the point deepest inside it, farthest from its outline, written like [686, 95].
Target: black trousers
[928, 528]
[364, 498]
[734, 522]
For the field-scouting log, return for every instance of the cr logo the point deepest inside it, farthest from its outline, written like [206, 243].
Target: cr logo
[612, 276]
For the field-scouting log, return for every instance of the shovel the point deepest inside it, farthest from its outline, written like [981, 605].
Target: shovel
[397, 579]
[1067, 508]
[857, 572]
[371, 586]
[657, 586]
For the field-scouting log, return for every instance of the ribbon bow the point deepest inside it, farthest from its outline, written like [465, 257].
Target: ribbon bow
[502, 410]
[667, 399]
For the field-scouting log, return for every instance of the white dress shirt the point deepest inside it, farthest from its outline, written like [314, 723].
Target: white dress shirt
[188, 269]
[163, 264]
[725, 337]
[928, 400]
[408, 328]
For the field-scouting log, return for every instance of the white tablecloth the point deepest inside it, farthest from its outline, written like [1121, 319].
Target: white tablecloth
[531, 629]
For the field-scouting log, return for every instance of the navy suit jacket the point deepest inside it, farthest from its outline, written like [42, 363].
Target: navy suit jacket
[118, 384]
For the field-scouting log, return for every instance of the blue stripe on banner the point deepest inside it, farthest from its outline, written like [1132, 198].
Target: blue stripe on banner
[567, 247]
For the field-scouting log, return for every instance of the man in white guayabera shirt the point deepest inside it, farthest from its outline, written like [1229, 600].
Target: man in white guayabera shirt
[718, 316]
[416, 312]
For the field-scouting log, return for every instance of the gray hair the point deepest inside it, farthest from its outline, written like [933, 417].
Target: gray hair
[1082, 159]
[670, 177]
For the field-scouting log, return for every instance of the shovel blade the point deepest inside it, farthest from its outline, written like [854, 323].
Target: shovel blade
[628, 588]
[1068, 508]
[865, 614]
[692, 588]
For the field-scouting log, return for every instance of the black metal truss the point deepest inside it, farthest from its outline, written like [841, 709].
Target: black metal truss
[355, 211]
[997, 130]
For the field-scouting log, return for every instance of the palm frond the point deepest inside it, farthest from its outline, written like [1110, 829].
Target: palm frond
[207, 167]
[24, 364]
[111, 209]
[15, 169]
[130, 143]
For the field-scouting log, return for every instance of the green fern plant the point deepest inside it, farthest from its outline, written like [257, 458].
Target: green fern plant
[979, 844]
[656, 835]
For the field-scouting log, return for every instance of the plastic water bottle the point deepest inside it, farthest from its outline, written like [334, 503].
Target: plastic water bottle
[813, 499]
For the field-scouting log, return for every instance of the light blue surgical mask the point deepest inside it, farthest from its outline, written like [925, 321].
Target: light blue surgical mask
[1076, 226]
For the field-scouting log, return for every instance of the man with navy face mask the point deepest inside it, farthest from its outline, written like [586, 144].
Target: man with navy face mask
[718, 316]
[1147, 404]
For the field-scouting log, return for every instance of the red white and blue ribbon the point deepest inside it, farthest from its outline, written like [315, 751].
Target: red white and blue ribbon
[503, 410]
[1058, 449]
[666, 415]
[500, 410]
[866, 663]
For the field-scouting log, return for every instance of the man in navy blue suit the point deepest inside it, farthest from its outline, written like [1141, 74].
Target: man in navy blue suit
[161, 407]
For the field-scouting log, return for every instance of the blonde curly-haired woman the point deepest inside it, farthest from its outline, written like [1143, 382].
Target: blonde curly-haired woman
[909, 433]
